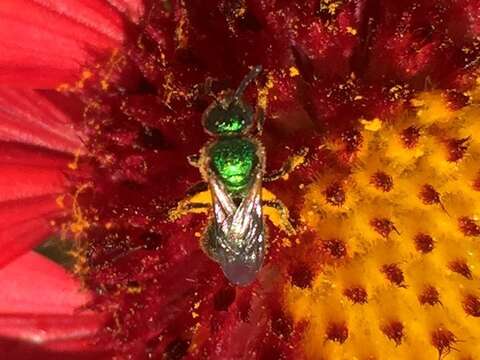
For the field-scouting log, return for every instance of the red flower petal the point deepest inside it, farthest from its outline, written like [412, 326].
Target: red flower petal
[38, 304]
[24, 224]
[48, 328]
[45, 42]
[12, 153]
[29, 186]
[19, 181]
[20, 211]
[21, 350]
[36, 140]
[133, 8]
[28, 117]
[34, 284]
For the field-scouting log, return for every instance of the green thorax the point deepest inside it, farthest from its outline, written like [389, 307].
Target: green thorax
[233, 160]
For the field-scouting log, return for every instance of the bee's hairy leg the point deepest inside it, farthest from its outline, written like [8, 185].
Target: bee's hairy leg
[278, 213]
[194, 160]
[197, 188]
[259, 119]
[196, 202]
[289, 166]
[183, 208]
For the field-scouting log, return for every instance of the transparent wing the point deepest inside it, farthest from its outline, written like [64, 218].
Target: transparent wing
[247, 223]
[236, 234]
[223, 205]
[238, 227]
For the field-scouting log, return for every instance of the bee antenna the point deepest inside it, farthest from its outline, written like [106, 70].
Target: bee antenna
[245, 82]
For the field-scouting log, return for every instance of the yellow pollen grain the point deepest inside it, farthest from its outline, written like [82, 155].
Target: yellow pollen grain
[134, 289]
[60, 200]
[263, 92]
[293, 71]
[371, 125]
[79, 84]
[63, 87]
[86, 74]
[332, 8]
[196, 306]
[351, 30]
[117, 59]
[286, 242]
[79, 223]
[74, 164]
[240, 12]
[104, 84]
[181, 34]
[170, 91]
[80, 265]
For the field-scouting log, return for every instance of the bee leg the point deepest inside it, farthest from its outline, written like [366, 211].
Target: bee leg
[278, 213]
[185, 208]
[194, 160]
[260, 119]
[197, 188]
[199, 202]
[289, 166]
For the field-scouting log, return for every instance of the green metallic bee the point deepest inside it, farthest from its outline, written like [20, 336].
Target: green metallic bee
[233, 166]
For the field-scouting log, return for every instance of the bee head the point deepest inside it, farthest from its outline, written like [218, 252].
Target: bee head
[231, 116]
[234, 119]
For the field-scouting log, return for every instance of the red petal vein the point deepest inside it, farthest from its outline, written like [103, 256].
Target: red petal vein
[45, 42]
[33, 284]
